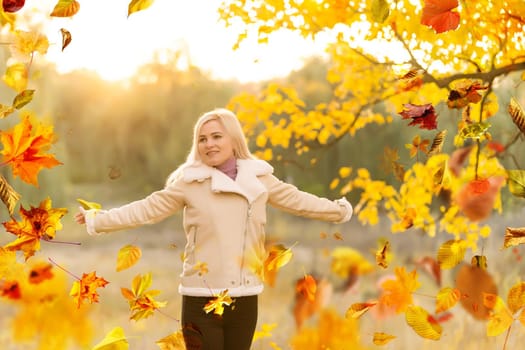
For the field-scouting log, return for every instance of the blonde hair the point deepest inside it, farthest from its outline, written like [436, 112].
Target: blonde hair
[233, 128]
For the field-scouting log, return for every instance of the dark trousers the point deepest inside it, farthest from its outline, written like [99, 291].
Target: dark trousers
[233, 330]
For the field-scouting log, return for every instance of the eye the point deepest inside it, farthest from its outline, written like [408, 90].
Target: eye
[217, 136]
[202, 139]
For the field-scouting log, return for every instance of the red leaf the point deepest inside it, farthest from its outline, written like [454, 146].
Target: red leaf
[424, 115]
[438, 15]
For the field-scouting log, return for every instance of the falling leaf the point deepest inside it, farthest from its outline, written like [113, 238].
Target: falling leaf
[37, 223]
[216, 304]
[422, 115]
[9, 196]
[65, 8]
[382, 338]
[357, 310]
[5, 110]
[398, 292]
[347, 261]
[10, 289]
[307, 286]
[141, 302]
[517, 114]
[66, 38]
[451, 253]
[28, 42]
[417, 145]
[440, 15]
[437, 143]
[114, 340]
[465, 92]
[475, 200]
[423, 323]
[381, 255]
[16, 76]
[305, 308]
[380, 10]
[473, 282]
[86, 288]
[128, 256]
[431, 267]
[479, 261]
[40, 272]
[458, 158]
[138, 5]
[87, 205]
[12, 5]
[202, 267]
[278, 256]
[496, 147]
[174, 341]
[447, 298]
[265, 332]
[23, 98]
[475, 131]
[516, 297]
[23, 149]
[514, 236]
[500, 318]
[516, 181]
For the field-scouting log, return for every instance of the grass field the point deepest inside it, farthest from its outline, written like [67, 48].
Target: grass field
[162, 259]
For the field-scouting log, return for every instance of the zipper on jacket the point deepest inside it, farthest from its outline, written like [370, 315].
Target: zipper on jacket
[248, 215]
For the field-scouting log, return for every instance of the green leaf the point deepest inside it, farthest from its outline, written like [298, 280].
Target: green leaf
[475, 131]
[23, 98]
[380, 10]
[517, 182]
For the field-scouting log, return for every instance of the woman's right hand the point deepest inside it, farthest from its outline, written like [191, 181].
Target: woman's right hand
[80, 217]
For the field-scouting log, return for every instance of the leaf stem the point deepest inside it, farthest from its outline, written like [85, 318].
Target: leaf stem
[168, 316]
[63, 269]
[60, 242]
[507, 337]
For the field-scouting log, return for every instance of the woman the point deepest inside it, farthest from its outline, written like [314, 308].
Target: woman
[223, 190]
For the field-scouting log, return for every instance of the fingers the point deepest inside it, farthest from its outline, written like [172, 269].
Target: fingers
[80, 217]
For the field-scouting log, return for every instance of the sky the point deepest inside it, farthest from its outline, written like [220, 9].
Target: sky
[105, 40]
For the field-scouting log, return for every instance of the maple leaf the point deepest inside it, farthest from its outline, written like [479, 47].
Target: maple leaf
[216, 304]
[40, 272]
[423, 115]
[439, 15]
[174, 341]
[23, 147]
[141, 302]
[86, 288]
[37, 223]
[398, 292]
[417, 145]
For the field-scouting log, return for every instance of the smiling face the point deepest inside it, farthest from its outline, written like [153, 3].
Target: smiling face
[215, 146]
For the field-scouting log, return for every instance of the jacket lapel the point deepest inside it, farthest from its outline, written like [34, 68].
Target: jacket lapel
[246, 184]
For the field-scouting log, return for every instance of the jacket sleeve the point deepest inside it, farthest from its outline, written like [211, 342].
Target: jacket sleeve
[290, 199]
[154, 208]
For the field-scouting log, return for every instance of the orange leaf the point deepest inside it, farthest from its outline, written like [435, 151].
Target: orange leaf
[500, 318]
[278, 256]
[216, 304]
[10, 289]
[66, 38]
[86, 288]
[358, 309]
[128, 256]
[141, 301]
[381, 255]
[65, 8]
[473, 282]
[398, 292]
[516, 297]
[438, 15]
[40, 272]
[307, 286]
[23, 147]
[477, 205]
[37, 223]
[423, 323]
[382, 338]
[305, 308]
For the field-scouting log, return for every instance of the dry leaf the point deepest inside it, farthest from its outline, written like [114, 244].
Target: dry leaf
[128, 256]
[514, 236]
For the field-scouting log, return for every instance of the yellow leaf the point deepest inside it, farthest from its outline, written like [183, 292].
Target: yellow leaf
[500, 318]
[345, 172]
[8, 195]
[26, 43]
[88, 205]
[114, 340]
[381, 255]
[380, 10]
[23, 98]
[216, 304]
[514, 236]
[138, 5]
[334, 183]
[423, 323]
[128, 256]
[398, 292]
[516, 180]
[16, 77]
[516, 297]
[382, 338]
[451, 253]
[358, 309]
[307, 286]
[174, 341]
[479, 261]
[65, 8]
[517, 113]
[5, 110]
[265, 332]
[447, 298]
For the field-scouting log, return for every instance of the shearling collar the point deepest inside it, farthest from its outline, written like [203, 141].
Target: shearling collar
[246, 184]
